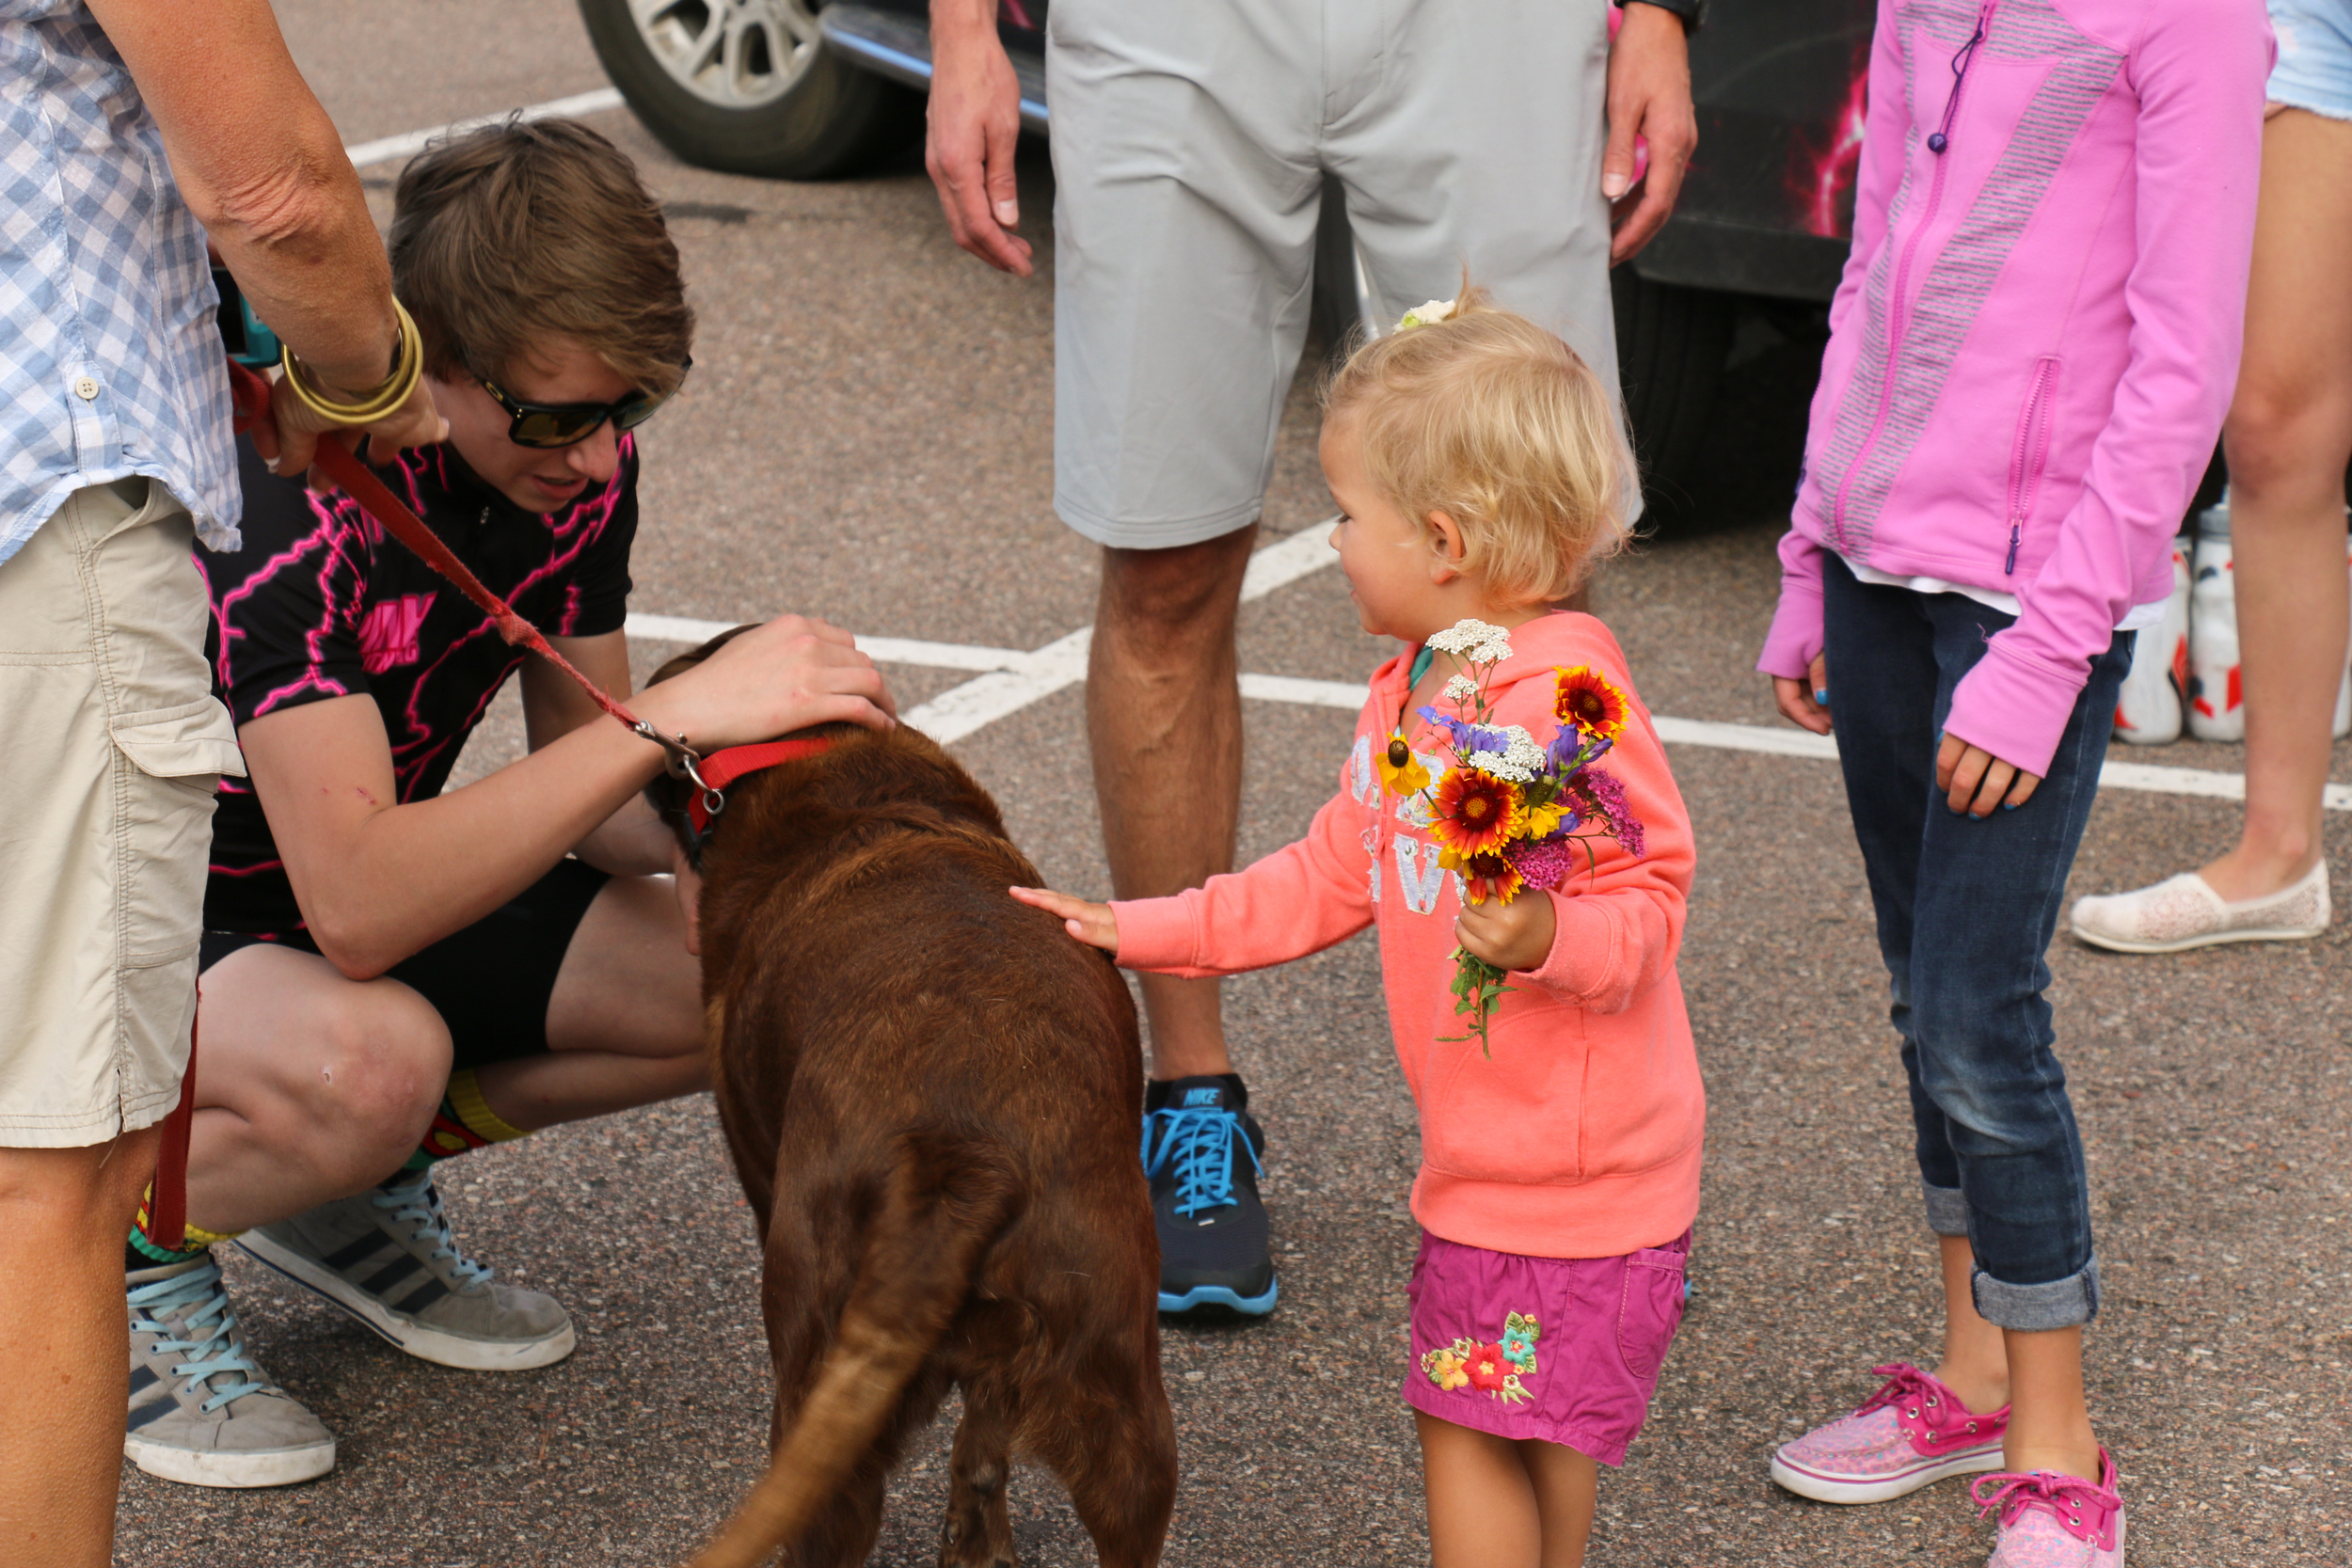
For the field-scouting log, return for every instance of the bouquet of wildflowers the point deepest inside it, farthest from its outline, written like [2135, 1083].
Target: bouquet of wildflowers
[1512, 812]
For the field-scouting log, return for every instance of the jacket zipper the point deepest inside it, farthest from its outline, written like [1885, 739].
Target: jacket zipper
[2025, 460]
[1937, 144]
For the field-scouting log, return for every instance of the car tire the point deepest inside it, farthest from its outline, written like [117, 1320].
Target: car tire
[1672, 343]
[769, 99]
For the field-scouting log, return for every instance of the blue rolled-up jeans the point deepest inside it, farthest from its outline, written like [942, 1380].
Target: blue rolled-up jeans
[1965, 911]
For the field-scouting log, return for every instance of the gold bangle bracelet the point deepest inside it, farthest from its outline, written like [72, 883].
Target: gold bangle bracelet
[378, 402]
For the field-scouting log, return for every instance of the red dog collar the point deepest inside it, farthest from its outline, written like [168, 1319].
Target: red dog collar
[722, 768]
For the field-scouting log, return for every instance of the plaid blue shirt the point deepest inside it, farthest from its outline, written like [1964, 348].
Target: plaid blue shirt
[110, 359]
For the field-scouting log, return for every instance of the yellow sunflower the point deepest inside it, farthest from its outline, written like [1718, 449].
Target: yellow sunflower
[1477, 813]
[1401, 773]
[1585, 699]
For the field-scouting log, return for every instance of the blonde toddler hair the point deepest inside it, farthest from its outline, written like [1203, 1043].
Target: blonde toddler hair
[1494, 421]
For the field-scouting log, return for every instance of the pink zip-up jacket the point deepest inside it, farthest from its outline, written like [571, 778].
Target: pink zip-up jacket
[1580, 1136]
[2038, 329]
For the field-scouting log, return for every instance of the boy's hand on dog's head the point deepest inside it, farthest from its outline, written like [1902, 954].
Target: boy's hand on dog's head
[1517, 935]
[1092, 924]
[792, 673]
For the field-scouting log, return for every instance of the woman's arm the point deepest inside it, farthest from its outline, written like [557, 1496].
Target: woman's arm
[2199, 72]
[261, 165]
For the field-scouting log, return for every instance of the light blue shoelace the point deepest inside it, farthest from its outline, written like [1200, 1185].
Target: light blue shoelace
[413, 1198]
[1198, 1141]
[216, 1351]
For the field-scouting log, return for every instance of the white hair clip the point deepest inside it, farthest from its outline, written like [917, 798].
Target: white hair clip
[1427, 313]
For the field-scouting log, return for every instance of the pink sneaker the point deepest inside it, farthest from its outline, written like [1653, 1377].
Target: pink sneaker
[2051, 1521]
[1912, 1431]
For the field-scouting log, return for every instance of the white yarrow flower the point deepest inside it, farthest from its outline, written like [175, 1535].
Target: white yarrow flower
[1472, 637]
[1461, 689]
[1427, 313]
[1520, 761]
[1493, 651]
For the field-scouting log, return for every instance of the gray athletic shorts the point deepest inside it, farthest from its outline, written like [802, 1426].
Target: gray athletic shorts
[1191, 140]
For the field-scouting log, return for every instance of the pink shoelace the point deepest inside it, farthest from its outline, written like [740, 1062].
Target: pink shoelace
[2081, 1508]
[1903, 1381]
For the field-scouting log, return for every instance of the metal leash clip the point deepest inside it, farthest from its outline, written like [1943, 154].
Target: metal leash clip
[681, 761]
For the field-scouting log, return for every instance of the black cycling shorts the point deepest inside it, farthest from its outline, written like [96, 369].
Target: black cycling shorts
[489, 982]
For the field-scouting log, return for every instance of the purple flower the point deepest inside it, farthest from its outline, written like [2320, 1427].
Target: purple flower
[1547, 864]
[1603, 795]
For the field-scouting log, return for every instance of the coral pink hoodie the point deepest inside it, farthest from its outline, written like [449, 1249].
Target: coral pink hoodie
[1581, 1136]
[2038, 330]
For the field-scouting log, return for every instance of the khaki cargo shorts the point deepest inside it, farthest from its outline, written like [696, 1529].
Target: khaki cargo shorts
[113, 745]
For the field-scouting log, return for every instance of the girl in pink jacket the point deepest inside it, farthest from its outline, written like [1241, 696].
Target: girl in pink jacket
[1479, 467]
[2030, 357]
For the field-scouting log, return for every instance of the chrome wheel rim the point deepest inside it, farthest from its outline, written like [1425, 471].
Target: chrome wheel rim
[734, 54]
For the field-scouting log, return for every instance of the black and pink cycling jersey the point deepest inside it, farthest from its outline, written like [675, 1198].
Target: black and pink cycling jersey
[321, 603]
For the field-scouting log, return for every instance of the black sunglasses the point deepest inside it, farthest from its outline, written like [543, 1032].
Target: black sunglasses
[564, 424]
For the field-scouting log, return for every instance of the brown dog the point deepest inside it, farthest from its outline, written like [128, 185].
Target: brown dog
[931, 1093]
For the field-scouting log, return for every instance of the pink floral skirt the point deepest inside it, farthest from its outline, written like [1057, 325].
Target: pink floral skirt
[1563, 1350]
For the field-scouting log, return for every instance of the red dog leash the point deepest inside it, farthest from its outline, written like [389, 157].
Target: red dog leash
[250, 393]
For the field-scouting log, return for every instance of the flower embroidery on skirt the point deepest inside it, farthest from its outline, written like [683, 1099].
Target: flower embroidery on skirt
[1494, 1367]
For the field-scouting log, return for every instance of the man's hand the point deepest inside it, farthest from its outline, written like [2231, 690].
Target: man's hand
[792, 673]
[1517, 935]
[1092, 924]
[1649, 96]
[1806, 703]
[288, 439]
[1975, 780]
[974, 125]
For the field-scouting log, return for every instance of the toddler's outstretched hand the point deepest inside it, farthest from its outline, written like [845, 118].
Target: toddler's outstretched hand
[1092, 924]
[1517, 935]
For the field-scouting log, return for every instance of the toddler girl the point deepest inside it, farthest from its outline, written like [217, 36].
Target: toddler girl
[2028, 359]
[1480, 470]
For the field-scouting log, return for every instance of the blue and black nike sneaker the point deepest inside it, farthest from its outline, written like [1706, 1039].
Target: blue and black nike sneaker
[1203, 1153]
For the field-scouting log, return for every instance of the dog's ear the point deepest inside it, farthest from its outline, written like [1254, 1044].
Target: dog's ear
[666, 795]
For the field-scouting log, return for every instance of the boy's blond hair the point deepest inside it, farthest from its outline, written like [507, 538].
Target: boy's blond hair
[1494, 421]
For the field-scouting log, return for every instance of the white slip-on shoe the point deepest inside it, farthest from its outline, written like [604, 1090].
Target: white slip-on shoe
[2183, 912]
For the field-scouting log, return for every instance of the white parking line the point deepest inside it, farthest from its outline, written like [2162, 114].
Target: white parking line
[411, 143]
[1011, 680]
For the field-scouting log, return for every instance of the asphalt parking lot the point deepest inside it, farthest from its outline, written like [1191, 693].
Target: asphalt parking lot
[867, 437]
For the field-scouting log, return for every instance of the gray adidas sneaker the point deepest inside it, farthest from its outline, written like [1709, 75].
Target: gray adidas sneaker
[384, 1256]
[201, 1411]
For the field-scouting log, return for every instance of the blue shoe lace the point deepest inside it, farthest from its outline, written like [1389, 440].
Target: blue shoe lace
[1197, 1141]
[215, 1352]
[412, 1197]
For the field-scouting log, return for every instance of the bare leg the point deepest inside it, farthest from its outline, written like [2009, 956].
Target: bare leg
[1976, 1359]
[1482, 1507]
[2039, 1375]
[2289, 436]
[1568, 1484]
[625, 1025]
[316, 1087]
[2049, 1428]
[1164, 722]
[312, 1088]
[63, 1213]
